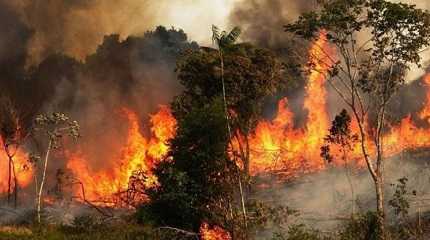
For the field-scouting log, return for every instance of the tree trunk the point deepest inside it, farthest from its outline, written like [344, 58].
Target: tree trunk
[380, 209]
[42, 182]
[348, 173]
[9, 182]
[15, 189]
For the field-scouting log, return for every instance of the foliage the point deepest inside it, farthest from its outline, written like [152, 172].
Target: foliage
[367, 73]
[107, 232]
[399, 201]
[196, 180]
[299, 232]
[362, 227]
[251, 74]
[225, 40]
[247, 76]
[55, 126]
[339, 134]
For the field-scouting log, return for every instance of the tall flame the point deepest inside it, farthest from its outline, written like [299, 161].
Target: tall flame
[138, 154]
[276, 145]
[24, 173]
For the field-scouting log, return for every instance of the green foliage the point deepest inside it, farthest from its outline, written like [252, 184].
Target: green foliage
[107, 232]
[85, 223]
[267, 217]
[339, 134]
[399, 201]
[299, 232]
[251, 74]
[362, 227]
[196, 180]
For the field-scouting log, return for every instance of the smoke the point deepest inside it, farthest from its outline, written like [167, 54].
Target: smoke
[77, 27]
[262, 21]
[262, 24]
[325, 199]
[136, 73]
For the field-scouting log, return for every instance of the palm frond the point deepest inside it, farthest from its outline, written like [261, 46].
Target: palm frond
[216, 37]
[232, 37]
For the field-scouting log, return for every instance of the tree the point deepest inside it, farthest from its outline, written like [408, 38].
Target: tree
[343, 140]
[224, 41]
[368, 72]
[13, 132]
[196, 181]
[54, 126]
[251, 74]
[243, 76]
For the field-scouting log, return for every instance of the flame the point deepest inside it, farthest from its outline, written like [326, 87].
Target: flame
[215, 233]
[138, 154]
[276, 145]
[24, 173]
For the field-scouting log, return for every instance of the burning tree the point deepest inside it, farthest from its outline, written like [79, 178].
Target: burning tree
[341, 137]
[368, 71]
[247, 76]
[196, 182]
[13, 130]
[54, 127]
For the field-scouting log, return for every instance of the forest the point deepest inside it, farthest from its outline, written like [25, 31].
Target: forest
[279, 120]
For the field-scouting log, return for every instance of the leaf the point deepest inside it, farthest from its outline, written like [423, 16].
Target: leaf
[233, 35]
[215, 35]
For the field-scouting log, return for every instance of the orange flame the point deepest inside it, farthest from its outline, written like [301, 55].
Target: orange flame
[215, 233]
[24, 172]
[138, 154]
[277, 145]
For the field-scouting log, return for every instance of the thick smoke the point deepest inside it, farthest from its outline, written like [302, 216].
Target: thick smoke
[77, 27]
[262, 23]
[136, 73]
[324, 199]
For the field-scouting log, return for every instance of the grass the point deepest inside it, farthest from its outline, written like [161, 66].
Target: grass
[114, 232]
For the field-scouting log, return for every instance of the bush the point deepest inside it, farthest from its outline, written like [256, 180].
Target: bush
[362, 227]
[300, 232]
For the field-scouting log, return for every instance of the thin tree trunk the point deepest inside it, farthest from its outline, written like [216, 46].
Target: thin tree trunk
[230, 135]
[42, 182]
[9, 182]
[380, 209]
[380, 174]
[15, 180]
[351, 186]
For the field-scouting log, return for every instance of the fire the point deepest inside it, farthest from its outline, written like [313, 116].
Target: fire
[138, 154]
[276, 145]
[215, 233]
[408, 135]
[24, 173]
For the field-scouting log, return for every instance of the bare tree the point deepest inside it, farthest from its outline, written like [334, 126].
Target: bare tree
[12, 133]
[54, 127]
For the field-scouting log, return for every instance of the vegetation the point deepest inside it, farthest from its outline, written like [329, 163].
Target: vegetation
[204, 179]
[368, 72]
[54, 127]
[196, 184]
